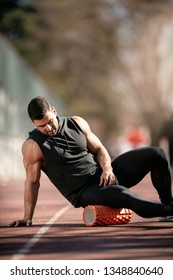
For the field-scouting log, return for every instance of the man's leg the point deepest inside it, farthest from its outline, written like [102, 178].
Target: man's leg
[120, 197]
[131, 167]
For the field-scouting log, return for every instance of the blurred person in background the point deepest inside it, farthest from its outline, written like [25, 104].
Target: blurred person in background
[137, 136]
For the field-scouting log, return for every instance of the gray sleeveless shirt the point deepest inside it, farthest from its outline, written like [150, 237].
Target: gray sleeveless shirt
[68, 163]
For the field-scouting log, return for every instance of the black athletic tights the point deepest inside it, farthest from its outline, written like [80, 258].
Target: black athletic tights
[130, 168]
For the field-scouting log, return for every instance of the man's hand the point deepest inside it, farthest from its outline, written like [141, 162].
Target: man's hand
[21, 223]
[108, 179]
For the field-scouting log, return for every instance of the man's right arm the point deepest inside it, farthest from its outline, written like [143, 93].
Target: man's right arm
[32, 159]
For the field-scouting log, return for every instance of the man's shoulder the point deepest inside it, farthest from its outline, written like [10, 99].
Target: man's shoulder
[82, 123]
[31, 148]
[29, 144]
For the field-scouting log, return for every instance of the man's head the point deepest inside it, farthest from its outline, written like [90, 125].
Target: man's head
[38, 108]
[43, 115]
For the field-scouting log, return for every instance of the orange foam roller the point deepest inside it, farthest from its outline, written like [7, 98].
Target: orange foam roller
[104, 215]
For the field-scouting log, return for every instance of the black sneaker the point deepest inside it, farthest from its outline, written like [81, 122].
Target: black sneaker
[169, 212]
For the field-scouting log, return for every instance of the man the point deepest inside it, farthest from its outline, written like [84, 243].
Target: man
[79, 166]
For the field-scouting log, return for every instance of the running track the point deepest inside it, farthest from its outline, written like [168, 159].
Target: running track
[58, 231]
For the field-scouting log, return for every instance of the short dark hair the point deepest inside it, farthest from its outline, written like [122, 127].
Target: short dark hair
[38, 107]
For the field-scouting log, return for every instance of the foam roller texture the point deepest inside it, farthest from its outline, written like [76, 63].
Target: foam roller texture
[104, 215]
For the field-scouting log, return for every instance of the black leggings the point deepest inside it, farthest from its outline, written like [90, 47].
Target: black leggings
[130, 168]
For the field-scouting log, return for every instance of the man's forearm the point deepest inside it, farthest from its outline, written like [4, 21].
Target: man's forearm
[30, 199]
[104, 159]
[107, 177]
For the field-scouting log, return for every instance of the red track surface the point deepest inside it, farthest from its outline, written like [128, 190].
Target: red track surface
[66, 236]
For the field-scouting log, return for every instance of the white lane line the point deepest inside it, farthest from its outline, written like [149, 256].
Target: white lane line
[27, 247]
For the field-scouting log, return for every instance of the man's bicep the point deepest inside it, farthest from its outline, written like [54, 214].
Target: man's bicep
[32, 162]
[93, 143]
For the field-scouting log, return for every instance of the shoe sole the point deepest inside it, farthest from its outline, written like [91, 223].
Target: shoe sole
[166, 219]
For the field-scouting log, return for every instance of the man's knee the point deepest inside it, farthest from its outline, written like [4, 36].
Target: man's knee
[159, 152]
[160, 155]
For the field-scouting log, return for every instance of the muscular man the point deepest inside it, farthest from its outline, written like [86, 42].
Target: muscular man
[80, 167]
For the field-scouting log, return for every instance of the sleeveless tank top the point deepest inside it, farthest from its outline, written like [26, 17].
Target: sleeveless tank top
[68, 163]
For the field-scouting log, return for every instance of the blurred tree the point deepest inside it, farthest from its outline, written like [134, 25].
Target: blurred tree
[107, 59]
[147, 61]
[72, 44]
[8, 5]
[18, 21]
[82, 51]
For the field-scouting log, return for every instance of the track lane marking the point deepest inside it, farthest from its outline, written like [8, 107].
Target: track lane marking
[28, 246]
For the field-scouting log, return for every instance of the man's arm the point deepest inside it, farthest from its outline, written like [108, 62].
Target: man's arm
[99, 151]
[32, 159]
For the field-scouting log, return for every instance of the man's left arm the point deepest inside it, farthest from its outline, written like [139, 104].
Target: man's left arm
[100, 153]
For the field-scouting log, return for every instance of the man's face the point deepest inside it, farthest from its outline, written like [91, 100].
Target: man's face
[49, 124]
